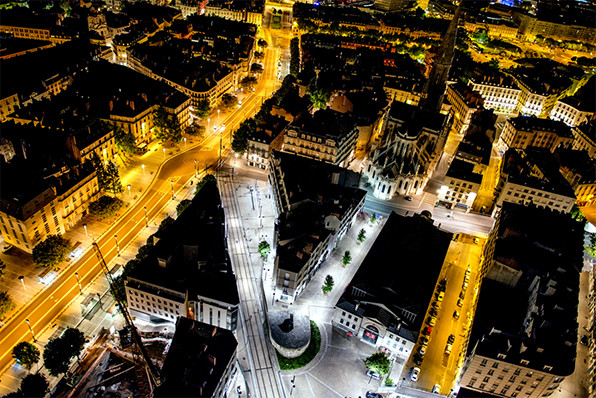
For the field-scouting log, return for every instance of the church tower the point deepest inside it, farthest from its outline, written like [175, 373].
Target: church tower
[434, 89]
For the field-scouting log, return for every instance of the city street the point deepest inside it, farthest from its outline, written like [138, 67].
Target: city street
[169, 179]
[440, 366]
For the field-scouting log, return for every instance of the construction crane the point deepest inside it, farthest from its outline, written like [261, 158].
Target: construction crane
[151, 368]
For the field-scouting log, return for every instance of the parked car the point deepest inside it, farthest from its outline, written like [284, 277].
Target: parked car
[427, 330]
[440, 296]
[373, 375]
[456, 314]
[462, 295]
[370, 394]
[460, 302]
[423, 340]
[433, 312]
[409, 198]
[418, 359]
[437, 389]
[431, 321]
[422, 350]
[451, 338]
[415, 373]
[448, 348]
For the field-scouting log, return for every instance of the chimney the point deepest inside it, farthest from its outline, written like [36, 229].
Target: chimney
[214, 332]
[132, 105]
[111, 105]
[357, 306]
[299, 255]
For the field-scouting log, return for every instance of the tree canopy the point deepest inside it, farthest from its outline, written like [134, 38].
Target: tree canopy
[51, 251]
[58, 352]
[362, 235]
[347, 258]
[242, 134]
[328, 284]
[25, 353]
[182, 206]
[166, 125]
[228, 101]
[203, 109]
[108, 177]
[34, 386]
[256, 68]
[379, 363]
[105, 207]
[6, 303]
[264, 248]
[125, 142]
[319, 96]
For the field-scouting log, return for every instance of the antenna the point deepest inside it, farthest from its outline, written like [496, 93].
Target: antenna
[151, 368]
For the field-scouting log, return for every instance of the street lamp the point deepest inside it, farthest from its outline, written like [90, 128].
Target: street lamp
[184, 142]
[173, 196]
[218, 116]
[129, 193]
[208, 123]
[22, 279]
[78, 282]
[146, 219]
[117, 247]
[143, 166]
[164, 153]
[293, 385]
[195, 167]
[85, 227]
[31, 330]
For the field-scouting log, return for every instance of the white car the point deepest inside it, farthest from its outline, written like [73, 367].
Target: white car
[415, 373]
[436, 389]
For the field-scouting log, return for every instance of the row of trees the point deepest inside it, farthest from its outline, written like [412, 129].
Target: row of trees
[294, 57]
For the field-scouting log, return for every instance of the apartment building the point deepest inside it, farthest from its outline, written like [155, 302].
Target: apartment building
[188, 272]
[316, 203]
[531, 177]
[499, 92]
[524, 336]
[531, 26]
[460, 186]
[31, 212]
[585, 138]
[579, 108]
[523, 131]
[464, 103]
[579, 169]
[8, 104]
[385, 306]
[94, 139]
[201, 361]
[328, 136]
[266, 139]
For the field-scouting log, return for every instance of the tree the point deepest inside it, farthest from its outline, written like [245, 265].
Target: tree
[577, 214]
[327, 285]
[182, 206]
[294, 57]
[74, 341]
[256, 68]
[362, 235]
[26, 354]
[34, 386]
[51, 251]
[56, 357]
[203, 109]
[373, 218]
[58, 352]
[248, 82]
[264, 249]
[242, 134]
[347, 258]
[195, 130]
[2, 267]
[166, 125]
[262, 43]
[591, 248]
[6, 304]
[379, 363]
[319, 97]
[258, 55]
[125, 142]
[112, 178]
[165, 222]
[105, 207]
[228, 101]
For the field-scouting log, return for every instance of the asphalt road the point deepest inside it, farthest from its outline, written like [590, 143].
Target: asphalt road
[173, 175]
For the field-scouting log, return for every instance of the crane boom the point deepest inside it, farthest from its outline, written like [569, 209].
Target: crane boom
[152, 369]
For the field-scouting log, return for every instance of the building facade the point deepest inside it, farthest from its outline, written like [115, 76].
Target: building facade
[499, 93]
[522, 132]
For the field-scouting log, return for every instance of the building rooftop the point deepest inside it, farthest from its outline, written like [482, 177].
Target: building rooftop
[534, 319]
[471, 98]
[533, 124]
[584, 99]
[576, 166]
[415, 119]
[463, 170]
[197, 359]
[535, 168]
[326, 123]
[191, 253]
[399, 272]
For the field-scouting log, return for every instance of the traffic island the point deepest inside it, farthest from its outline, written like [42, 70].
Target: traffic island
[296, 351]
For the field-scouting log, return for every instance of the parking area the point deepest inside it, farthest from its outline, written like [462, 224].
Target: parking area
[439, 352]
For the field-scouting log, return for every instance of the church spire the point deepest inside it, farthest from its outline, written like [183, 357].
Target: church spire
[434, 89]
